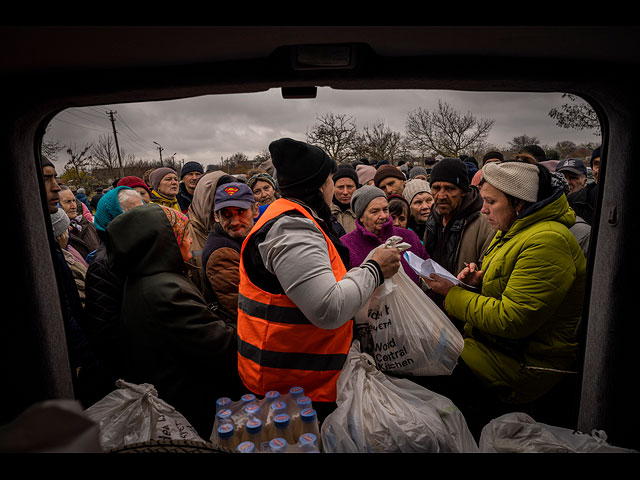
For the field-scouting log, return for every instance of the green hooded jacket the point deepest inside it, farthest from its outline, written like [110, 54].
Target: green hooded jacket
[169, 337]
[519, 330]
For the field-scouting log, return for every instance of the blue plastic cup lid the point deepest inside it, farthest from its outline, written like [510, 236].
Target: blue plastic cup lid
[308, 438]
[246, 447]
[225, 430]
[296, 391]
[224, 413]
[252, 408]
[254, 425]
[278, 405]
[278, 443]
[308, 415]
[248, 397]
[272, 394]
[281, 420]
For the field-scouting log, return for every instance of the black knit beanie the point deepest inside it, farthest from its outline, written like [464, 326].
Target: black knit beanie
[346, 172]
[452, 170]
[191, 167]
[301, 168]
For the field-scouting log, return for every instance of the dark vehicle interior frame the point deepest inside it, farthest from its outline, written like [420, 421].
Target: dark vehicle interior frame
[45, 70]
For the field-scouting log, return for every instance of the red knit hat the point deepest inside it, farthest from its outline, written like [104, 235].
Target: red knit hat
[132, 182]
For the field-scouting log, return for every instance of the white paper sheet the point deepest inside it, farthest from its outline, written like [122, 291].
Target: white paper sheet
[427, 267]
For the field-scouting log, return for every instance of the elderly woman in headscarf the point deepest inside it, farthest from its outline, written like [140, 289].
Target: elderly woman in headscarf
[265, 190]
[202, 220]
[520, 322]
[169, 337]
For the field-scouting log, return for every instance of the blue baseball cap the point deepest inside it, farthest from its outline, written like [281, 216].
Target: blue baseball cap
[574, 165]
[235, 194]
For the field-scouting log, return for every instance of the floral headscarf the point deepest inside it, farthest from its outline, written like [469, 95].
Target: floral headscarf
[179, 222]
[265, 177]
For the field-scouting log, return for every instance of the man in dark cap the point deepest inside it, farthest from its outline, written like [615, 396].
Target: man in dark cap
[189, 176]
[575, 171]
[456, 231]
[235, 212]
[297, 298]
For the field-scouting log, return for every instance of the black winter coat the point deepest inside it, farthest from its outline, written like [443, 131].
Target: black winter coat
[103, 300]
[170, 338]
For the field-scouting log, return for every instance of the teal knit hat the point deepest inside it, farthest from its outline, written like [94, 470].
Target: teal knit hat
[108, 208]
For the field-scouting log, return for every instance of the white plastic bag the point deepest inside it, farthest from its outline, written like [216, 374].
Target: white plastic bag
[377, 413]
[134, 413]
[51, 426]
[519, 433]
[405, 331]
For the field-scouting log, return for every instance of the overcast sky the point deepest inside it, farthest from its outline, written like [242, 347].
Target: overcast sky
[205, 129]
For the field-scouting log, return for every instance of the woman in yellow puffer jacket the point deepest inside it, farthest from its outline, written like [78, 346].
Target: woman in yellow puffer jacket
[521, 317]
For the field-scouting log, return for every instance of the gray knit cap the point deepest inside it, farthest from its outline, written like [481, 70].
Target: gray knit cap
[517, 179]
[60, 222]
[362, 197]
[158, 174]
[414, 187]
[415, 171]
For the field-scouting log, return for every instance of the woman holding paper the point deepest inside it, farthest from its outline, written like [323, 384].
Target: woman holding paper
[519, 325]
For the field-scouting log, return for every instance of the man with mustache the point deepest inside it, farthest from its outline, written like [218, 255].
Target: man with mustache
[456, 231]
[189, 176]
[235, 213]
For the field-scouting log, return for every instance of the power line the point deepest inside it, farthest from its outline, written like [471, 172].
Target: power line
[76, 125]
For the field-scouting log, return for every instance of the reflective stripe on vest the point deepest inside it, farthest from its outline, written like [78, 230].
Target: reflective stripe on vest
[278, 347]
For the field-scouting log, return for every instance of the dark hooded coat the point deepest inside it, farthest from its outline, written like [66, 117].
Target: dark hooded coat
[169, 338]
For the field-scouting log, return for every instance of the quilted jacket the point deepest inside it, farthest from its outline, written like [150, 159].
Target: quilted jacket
[520, 328]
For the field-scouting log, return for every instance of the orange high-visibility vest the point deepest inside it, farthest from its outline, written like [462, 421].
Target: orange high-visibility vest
[278, 347]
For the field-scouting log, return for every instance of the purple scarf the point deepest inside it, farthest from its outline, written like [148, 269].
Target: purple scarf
[361, 241]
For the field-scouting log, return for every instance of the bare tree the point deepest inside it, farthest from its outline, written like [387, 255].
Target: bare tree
[576, 114]
[518, 143]
[445, 131]
[50, 148]
[335, 134]
[263, 156]
[78, 161]
[379, 143]
[104, 154]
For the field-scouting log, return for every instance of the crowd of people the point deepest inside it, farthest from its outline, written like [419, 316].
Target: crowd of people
[207, 284]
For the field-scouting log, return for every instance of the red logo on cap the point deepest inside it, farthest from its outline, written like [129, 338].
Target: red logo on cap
[231, 190]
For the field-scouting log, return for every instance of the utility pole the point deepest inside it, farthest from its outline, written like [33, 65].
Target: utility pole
[160, 151]
[115, 136]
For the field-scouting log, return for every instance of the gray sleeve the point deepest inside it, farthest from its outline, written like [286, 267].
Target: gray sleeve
[296, 252]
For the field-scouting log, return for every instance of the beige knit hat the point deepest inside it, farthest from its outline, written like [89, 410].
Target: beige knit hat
[414, 187]
[517, 179]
